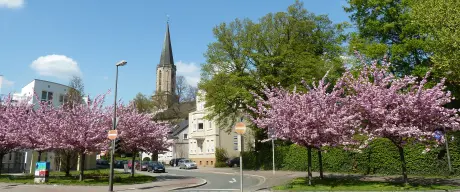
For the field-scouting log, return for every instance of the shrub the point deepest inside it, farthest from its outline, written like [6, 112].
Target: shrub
[380, 157]
[220, 164]
[221, 155]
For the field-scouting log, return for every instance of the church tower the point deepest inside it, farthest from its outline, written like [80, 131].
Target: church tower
[166, 74]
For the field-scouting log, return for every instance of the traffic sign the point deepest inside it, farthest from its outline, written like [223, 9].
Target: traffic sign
[240, 128]
[113, 134]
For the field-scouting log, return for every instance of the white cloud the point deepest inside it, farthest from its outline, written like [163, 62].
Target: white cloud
[5, 83]
[59, 66]
[12, 3]
[191, 71]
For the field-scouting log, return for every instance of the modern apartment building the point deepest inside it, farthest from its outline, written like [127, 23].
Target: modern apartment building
[44, 91]
[205, 136]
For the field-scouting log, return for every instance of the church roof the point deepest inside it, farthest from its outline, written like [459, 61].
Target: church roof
[166, 53]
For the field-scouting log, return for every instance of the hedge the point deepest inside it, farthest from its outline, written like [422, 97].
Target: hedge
[380, 157]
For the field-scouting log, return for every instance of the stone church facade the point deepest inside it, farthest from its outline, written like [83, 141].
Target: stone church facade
[165, 93]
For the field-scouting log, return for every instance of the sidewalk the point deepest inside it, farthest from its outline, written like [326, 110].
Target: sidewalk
[159, 185]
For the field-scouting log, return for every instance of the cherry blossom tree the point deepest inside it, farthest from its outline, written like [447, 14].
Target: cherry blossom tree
[399, 109]
[83, 128]
[314, 119]
[13, 118]
[138, 133]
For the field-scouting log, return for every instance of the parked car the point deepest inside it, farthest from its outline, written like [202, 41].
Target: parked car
[120, 164]
[156, 167]
[130, 164]
[233, 162]
[187, 164]
[100, 163]
[175, 161]
[144, 166]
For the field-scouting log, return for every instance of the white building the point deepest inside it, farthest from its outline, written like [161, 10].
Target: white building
[205, 136]
[44, 91]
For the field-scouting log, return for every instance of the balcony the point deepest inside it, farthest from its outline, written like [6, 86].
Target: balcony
[199, 134]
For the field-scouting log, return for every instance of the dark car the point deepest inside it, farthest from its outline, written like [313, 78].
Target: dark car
[156, 167]
[233, 162]
[100, 163]
[175, 161]
[120, 164]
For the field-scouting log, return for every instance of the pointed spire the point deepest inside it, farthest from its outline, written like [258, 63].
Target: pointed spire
[166, 53]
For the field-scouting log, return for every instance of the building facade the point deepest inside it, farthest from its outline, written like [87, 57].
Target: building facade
[41, 90]
[205, 136]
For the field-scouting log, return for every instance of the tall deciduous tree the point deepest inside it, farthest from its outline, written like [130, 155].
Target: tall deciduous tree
[314, 119]
[399, 108]
[143, 103]
[138, 133]
[439, 21]
[385, 28]
[77, 90]
[282, 47]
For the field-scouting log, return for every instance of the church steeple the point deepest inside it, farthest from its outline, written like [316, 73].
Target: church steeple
[166, 73]
[166, 53]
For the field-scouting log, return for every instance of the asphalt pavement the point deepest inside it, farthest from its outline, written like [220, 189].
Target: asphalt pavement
[216, 181]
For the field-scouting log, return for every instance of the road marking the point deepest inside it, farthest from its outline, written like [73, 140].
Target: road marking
[233, 180]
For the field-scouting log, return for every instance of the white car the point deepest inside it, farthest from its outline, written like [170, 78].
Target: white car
[187, 164]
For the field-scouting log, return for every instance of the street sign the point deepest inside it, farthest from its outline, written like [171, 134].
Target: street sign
[113, 134]
[240, 128]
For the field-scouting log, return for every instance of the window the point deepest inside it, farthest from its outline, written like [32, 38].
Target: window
[200, 125]
[185, 136]
[63, 98]
[47, 96]
[44, 94]
[210, 124]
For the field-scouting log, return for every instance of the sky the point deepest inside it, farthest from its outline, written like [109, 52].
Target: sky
[54, 40]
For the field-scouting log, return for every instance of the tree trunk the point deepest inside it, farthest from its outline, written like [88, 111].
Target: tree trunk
[67, 165]
[309, 166]
[82, 165]
[133, 164]
[320, 158]
[403, 163]
[39, 156]
[1, 162]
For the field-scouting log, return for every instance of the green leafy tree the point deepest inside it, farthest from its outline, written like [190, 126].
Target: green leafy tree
[281, 48]
[385, 28]
[143, 103]
[439, 20]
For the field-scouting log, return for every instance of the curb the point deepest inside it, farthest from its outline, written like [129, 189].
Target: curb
[191, 186]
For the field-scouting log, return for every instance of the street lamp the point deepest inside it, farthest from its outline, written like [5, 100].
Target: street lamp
[121, 63]
[240, 129]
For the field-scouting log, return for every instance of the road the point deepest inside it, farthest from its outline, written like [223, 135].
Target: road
[216, 181]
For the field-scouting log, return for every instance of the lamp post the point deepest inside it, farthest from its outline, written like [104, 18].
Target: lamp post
[240, 129]
[121, 63]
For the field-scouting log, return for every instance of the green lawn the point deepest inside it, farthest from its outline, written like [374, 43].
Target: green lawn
[92, 177]
[355, 184]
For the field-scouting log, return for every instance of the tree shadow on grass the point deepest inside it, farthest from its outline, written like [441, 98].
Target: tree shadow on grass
[342, 182]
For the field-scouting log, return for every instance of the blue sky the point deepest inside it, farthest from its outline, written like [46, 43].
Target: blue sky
[54, 39]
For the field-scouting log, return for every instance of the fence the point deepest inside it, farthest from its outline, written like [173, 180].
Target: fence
[13, 168]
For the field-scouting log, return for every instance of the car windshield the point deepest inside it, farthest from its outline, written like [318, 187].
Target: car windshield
[187, 161]
[154, 163]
